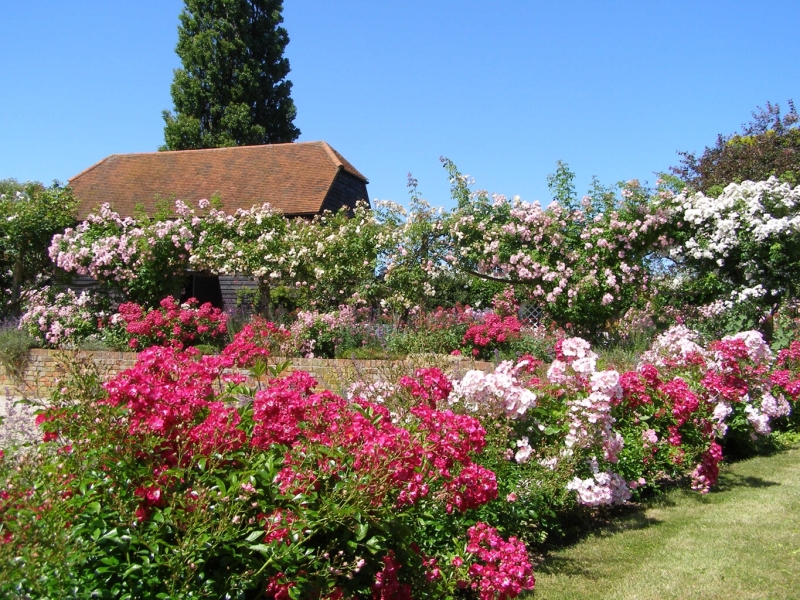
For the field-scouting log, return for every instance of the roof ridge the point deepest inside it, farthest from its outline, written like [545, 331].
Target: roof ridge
[223, 148]
[87, 169]
[344, 163]
[332, 155]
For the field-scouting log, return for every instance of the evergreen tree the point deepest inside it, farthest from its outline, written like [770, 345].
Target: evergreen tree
[232, 89]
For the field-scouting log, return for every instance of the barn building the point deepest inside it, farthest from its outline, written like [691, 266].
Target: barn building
[300, 179]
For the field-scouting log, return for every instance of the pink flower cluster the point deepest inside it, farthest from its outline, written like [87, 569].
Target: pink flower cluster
[172, 324]
[601, 489]
[255, 341]
[405, 463]
[501, 569]
[677, 346]
[111, 248]
[707, 472]
[59, 318]
[494, 330]
[430, 385]
[387, 586]
[503, 392]
[786, 377]
[167, 391]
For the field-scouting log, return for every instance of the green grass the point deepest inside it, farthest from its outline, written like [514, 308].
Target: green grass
[740, 541]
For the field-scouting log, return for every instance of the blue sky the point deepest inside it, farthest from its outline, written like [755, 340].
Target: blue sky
[503, 88]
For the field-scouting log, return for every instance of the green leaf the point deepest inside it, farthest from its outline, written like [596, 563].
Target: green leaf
[361, 531]
[131, 570]
[254, 535]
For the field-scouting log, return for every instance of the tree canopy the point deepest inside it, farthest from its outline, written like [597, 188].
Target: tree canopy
[767, 146]
[232, 89]
[30, 214]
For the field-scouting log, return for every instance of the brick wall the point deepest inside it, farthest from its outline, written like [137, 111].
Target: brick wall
[44, 368]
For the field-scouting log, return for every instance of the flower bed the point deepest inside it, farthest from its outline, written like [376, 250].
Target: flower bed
[181, 474]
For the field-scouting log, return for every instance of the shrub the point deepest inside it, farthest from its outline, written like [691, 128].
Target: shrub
[494, 334]
[58, 319]
[15, 344]
[172, 324]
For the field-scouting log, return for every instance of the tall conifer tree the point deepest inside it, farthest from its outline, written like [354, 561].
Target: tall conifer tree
[232, 89]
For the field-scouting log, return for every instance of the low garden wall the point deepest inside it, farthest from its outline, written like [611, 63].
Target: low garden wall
[44, 368]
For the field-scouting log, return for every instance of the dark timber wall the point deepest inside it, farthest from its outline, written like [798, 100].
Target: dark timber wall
[235, 286]
[346, 190]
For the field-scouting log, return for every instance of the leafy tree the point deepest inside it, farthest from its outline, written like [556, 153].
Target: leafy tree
[767, 146]
[232, 89]
[30, 214]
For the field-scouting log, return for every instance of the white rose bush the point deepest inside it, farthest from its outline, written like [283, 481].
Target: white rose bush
[739, 249]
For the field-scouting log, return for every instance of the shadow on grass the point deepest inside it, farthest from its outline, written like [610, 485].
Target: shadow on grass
[729, 481]
[562, 565]
[603, 522]
[609, 521]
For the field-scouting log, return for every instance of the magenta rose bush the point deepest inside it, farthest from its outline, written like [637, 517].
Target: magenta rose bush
[171, 324]
[184, 477]
[577, 434]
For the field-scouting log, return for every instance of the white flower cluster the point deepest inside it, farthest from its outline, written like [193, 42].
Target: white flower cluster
[745, 216]
[676, 343]
[603, 488]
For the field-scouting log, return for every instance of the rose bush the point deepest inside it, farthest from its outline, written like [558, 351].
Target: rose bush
[738, 248]
[172, 324]
[585, 263]
[62, 318]
[179, 478]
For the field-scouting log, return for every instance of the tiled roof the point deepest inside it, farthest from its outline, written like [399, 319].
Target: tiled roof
[294, 178]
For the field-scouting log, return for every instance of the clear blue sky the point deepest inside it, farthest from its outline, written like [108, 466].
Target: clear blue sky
[504, 88]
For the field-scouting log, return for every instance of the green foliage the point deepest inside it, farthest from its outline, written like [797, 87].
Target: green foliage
[232, 89]
[415, 269]
[30, 214]
[562, 187]
[426, 341]
[767, 146]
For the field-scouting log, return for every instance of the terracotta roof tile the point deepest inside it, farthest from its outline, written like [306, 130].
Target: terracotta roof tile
[294, 178]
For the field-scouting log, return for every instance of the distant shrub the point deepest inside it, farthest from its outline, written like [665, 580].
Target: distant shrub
[15, 344]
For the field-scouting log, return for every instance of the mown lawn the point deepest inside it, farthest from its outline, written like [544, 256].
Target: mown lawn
[740, 541]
